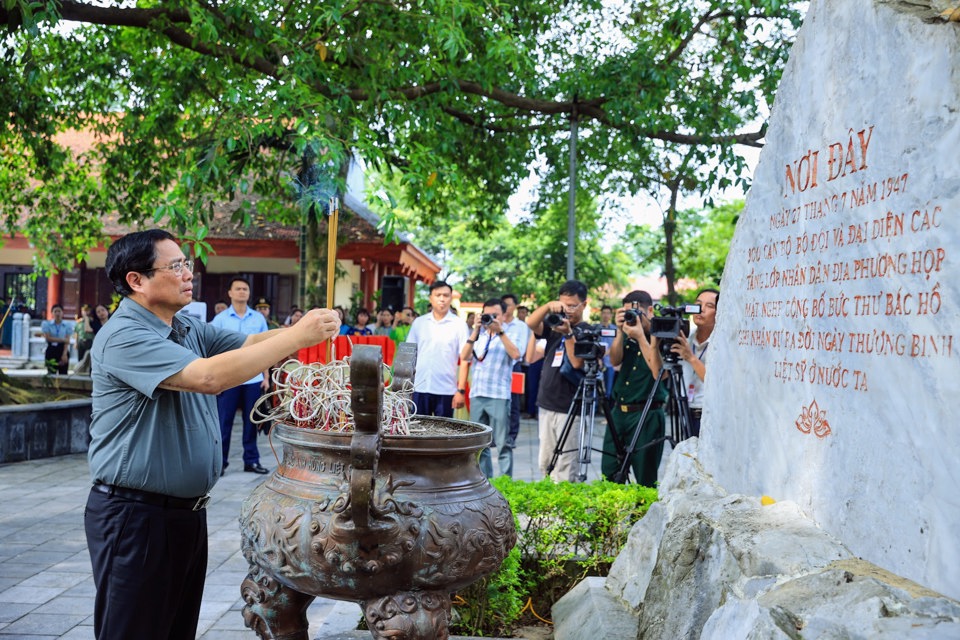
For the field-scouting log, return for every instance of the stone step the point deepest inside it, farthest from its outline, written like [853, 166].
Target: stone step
[13, 363]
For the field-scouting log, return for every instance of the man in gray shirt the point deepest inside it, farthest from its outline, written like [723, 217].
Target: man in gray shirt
[155, 448]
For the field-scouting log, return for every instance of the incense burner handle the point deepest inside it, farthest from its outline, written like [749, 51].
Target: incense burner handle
[404, 365]
[366, 398]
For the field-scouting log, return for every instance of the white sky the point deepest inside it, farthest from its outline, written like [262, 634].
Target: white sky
[640, 209]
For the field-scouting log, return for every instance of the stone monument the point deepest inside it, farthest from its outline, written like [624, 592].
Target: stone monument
[834, 366]
[837, 348]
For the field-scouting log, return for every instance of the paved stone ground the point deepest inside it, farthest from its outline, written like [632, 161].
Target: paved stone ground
[46, 589]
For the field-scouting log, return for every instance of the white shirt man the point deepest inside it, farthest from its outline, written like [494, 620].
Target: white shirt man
[439, 336]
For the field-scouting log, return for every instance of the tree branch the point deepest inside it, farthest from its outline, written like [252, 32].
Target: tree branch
[120, 17]
[704, 19]
[750, 139]
[164, 20]
[472, 121]
[151, 19]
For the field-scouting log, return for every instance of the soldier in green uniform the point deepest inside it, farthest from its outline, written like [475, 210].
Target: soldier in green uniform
[639, 365]
[263, 306]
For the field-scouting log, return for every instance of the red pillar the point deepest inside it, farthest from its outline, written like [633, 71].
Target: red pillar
[54, 284]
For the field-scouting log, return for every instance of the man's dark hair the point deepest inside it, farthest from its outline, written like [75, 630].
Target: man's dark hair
[511, 296]
[238, 279]
[55, 307]
[711, 290]
[641, 297]
[135, 251]
[496, 302]
[524, 307]
[364, 311]
[574, 288]
[606, 307]
[437, 284]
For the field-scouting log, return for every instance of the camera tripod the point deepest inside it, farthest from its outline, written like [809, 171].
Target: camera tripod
[678, 408]
[590, 392]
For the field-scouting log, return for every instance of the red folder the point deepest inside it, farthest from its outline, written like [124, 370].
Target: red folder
[517, 382]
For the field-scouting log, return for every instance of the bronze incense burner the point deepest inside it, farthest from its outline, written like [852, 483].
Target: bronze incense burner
[395, 523]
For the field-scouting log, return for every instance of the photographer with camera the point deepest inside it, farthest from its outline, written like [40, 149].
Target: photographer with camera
[639, 362]
[491, 353]
[554, 322]
[693, 353]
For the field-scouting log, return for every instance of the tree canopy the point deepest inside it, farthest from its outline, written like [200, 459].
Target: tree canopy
[199, 101]
[701, 243]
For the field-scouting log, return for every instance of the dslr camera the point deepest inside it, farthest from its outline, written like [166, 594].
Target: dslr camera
[486, 319]
[633, 314]
[669, 325]
[554, 319]
[588, 345]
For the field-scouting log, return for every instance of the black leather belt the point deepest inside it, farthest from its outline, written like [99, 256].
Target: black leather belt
[156, 499]
[630, 408]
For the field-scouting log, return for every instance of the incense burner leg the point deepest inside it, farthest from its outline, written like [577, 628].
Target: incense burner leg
[411, 615]
[274, 611]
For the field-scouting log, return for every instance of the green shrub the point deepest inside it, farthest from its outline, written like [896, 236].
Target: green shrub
[565, 532]
[491, 605]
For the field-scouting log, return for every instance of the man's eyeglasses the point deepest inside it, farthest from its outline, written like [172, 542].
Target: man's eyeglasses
[177, 267]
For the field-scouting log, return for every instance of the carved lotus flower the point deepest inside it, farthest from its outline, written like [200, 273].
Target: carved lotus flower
[812, 419]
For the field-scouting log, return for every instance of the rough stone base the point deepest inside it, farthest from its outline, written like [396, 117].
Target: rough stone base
[591, 606]
[704, 564]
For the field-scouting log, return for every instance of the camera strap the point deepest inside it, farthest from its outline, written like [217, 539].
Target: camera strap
[486, 349]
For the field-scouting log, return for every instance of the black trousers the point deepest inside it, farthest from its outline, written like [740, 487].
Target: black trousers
[515, 399]
[149, 565]
[431, 404]
[53, 353]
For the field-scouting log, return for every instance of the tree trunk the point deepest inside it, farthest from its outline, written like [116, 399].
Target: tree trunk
[669, 228]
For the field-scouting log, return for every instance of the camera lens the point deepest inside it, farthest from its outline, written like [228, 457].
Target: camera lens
[553, 319]
[486, 319]
[630, 317]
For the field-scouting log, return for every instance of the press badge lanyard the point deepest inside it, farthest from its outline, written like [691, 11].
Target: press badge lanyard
[558, 354]
[702, 353]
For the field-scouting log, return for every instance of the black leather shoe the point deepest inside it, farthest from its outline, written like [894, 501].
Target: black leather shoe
[255, 468]
[224, 470]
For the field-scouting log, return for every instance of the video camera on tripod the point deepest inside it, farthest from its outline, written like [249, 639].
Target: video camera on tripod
[669, 325]
[588, 346]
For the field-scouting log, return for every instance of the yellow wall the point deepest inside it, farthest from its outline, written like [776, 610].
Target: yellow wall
[235, 264]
